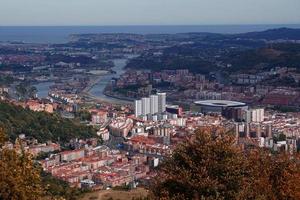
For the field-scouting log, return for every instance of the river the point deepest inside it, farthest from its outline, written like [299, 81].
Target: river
[43, 88]
[98, 89]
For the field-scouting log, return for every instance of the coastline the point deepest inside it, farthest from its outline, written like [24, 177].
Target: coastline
[64, 34]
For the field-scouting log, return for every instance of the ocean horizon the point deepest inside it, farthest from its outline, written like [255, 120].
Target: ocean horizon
[60, 34]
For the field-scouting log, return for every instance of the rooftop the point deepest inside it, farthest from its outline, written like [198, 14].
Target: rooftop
[219, 103]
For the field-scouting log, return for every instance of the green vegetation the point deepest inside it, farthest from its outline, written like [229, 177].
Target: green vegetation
[83, 115]
[122, 187]
[44, 155]
[15, 67]
[272, 34]
[24, 91]
[57, 188]
[40, 125]
[283, 55]
[278, 81]
[6, 80]
[128, 88]
[172, 62]
[247, 53]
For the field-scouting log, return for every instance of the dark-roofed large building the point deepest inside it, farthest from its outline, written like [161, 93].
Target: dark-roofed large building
[217, 106]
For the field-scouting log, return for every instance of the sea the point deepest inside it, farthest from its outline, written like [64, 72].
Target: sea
[60, 34]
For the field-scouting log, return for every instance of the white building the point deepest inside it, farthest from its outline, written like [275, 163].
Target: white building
[161, 102]
[153, 104]
[149, 106]
[137, 108]
[145, 106]
[257, 115]
[104, 133]
[121, 126]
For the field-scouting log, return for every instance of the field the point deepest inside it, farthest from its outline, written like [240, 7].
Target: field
[116, 194]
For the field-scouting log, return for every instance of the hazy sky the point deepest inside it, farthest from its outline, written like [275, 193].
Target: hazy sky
[148, 12]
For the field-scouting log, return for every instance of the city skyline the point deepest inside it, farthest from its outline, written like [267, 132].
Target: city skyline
[131, 12]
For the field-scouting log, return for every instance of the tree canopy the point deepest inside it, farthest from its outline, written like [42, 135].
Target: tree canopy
[19, 177]
[211, 166]
[40, 125]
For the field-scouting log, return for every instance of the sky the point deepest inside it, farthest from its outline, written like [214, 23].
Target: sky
[148, 12]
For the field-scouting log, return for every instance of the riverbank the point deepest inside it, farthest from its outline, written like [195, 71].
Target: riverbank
[97, 89]
[43, 88]
[106, 93]
[92, 83]
[106, 99]
[99, 80]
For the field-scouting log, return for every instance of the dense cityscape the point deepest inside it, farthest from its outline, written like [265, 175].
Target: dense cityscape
[131, 116]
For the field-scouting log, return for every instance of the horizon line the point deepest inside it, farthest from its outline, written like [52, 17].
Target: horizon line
[137, 25]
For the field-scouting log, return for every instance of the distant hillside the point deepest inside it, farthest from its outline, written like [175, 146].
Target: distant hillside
[40, 125]
[285, 54]
[171, 62]
[272, 34]
[243, 51]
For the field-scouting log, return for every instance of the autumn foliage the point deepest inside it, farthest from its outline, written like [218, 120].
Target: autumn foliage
[211, 166]
[19, 178]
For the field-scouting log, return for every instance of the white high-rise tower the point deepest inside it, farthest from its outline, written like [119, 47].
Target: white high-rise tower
[153, 104]
[161, 102]
[138, 108]
[257, 115]
[145, 106]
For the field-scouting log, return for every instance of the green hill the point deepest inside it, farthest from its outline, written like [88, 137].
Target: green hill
[40, 125]
[283, 55]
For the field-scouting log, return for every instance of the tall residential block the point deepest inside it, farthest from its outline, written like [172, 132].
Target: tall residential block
[145, 106]
[161, 102]
[153, 104]
[138, 108]
[257, 115]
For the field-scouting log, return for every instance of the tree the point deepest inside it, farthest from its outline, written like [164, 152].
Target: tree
[21, 91]
[210, 166]
[32, 92]
[19, 177]
[40, 125]
[271, 176]
[59, 189]
[84, 115]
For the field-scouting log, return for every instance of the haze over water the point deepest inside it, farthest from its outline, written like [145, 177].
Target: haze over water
[60, 34]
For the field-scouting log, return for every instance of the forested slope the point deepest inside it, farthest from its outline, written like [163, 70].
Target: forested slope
[40, 125]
